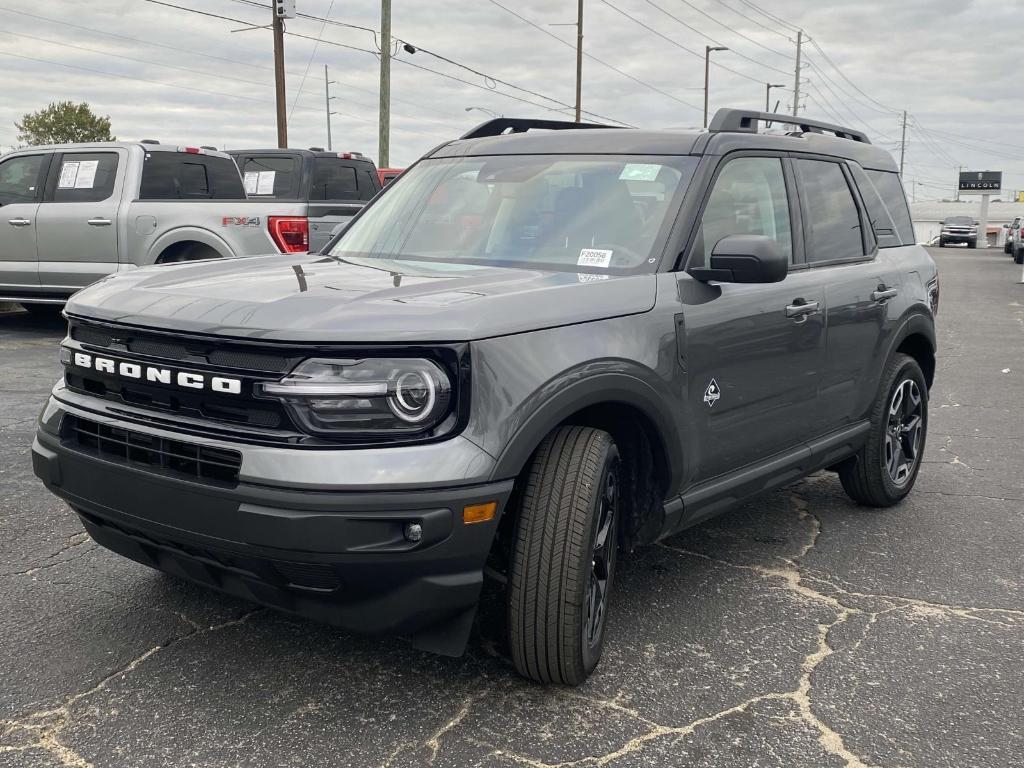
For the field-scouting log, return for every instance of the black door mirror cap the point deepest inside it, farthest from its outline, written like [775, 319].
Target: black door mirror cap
[745, 259]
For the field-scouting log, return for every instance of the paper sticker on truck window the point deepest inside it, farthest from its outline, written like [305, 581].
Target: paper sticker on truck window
[68, 174]
[259, 182]
[86, 174]
[593, 257]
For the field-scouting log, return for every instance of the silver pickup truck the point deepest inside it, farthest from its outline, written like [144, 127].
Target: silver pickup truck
[72, 214]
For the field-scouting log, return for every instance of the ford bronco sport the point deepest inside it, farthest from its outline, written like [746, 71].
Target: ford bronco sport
[539, 348]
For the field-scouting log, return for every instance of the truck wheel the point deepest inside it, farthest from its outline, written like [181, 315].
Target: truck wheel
[563, 558]
[1018, 256]
[942, 243]
[972, 244]
[885, 468]
[1008, 247]
[44, 311]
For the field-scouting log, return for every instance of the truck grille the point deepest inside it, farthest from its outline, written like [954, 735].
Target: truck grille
[173, 458]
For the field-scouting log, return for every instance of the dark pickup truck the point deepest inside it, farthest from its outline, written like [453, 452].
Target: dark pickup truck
[546, 344]
[334, 186]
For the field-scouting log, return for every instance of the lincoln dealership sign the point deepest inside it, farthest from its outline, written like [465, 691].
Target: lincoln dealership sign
[983, 182]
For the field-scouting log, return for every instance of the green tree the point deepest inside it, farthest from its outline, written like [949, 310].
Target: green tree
[64, 122]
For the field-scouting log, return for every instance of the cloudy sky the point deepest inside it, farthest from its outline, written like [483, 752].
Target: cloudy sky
[182, 77]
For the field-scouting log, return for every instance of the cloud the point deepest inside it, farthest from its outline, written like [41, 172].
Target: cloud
[184, 78]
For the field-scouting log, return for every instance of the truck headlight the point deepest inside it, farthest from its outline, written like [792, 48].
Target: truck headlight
[365, 397]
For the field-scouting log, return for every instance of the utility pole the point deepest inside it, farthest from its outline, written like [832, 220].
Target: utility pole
[282, 114]
[959, 170]
[796, 76]
[707, 69]
[903, 141]
[579, 60]
[384, 120]
[327, 106]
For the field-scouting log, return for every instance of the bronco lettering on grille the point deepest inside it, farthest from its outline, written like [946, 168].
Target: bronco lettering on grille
[154, 375]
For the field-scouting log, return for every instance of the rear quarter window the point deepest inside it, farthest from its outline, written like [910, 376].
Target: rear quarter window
[890, 190]
[183, 176]
[333, 179]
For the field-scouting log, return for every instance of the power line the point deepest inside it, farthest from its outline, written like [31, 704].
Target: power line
[713, 40]
[736, 31]
[595, 58]
[309, 63]
[677, 44]
[771, 16]
[754, 21]
[883, 108]
[375, 54]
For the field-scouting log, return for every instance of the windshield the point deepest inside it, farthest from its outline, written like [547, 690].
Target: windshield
[577, 213]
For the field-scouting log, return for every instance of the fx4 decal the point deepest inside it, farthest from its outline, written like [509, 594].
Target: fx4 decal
[240, 221]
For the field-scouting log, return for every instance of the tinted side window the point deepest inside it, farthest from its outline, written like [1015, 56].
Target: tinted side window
[891, 191]
[833, 221]
[19, 179]
[274, 176]
[333, 180]
[180, 176]
[749, 198]
[86, 177]
[369, 185]
[881, 221]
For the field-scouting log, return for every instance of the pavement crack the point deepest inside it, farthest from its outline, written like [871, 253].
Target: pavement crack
[46, 725]
[74, 542]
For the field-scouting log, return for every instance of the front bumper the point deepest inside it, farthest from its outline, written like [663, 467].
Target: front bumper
[337, 556]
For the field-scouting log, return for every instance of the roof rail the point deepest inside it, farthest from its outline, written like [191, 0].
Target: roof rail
[500, 125]
[149, 141]
[745, 121]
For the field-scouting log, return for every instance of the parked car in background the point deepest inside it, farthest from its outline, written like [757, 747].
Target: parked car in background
[329, 188]
[387, 175]
[1013, 239]
[959, 229]
[74, 213]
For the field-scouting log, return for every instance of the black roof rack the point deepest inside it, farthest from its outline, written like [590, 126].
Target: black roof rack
[745, 121]
[500, 125]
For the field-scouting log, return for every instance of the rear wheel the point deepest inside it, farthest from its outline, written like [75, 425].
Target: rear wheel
[885, 468]
[563, 559]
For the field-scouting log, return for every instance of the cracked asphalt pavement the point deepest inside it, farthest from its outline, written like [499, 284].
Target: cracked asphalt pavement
[797, 630]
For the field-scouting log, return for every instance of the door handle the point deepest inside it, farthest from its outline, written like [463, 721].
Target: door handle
[883, 294]
[98, 222]
[19, 222]
[800, 308]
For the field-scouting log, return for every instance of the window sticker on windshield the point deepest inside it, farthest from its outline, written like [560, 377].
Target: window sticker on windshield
[593, 257]
[589, 277]
[639, 172]
[68, 174]
[251, 182]
[86, 178]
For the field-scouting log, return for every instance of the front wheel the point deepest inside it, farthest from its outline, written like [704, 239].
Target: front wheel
[1018, 256]
[563, 558]
[972, 244]
[885, 468]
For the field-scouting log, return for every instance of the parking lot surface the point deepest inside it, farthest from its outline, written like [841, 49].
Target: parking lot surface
[797, 630]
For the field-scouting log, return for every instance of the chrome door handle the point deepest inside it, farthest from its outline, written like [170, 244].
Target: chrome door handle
[804, 308]
[98, 222]
[19, 222]
[883, 294]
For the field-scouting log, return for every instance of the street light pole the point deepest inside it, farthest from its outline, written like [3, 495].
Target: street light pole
[768, 94]
[707, 69]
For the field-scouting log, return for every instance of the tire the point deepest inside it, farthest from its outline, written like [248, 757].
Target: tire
[566, 539]
[942, 243]
[1007, 247]
[44, 311]
[869, 477]
[193, 252]
[1018, 256]
[972, 243]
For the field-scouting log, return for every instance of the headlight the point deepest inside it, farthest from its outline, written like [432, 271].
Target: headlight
[367, 397]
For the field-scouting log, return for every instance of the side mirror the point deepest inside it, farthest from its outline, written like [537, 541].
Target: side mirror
[745, 259]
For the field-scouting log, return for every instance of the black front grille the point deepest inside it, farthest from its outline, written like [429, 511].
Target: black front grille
[174, 458]
[217, 353]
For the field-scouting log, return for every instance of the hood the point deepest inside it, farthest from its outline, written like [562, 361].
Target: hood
[314, 298]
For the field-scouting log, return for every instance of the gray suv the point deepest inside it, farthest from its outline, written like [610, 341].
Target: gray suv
[548, 343]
